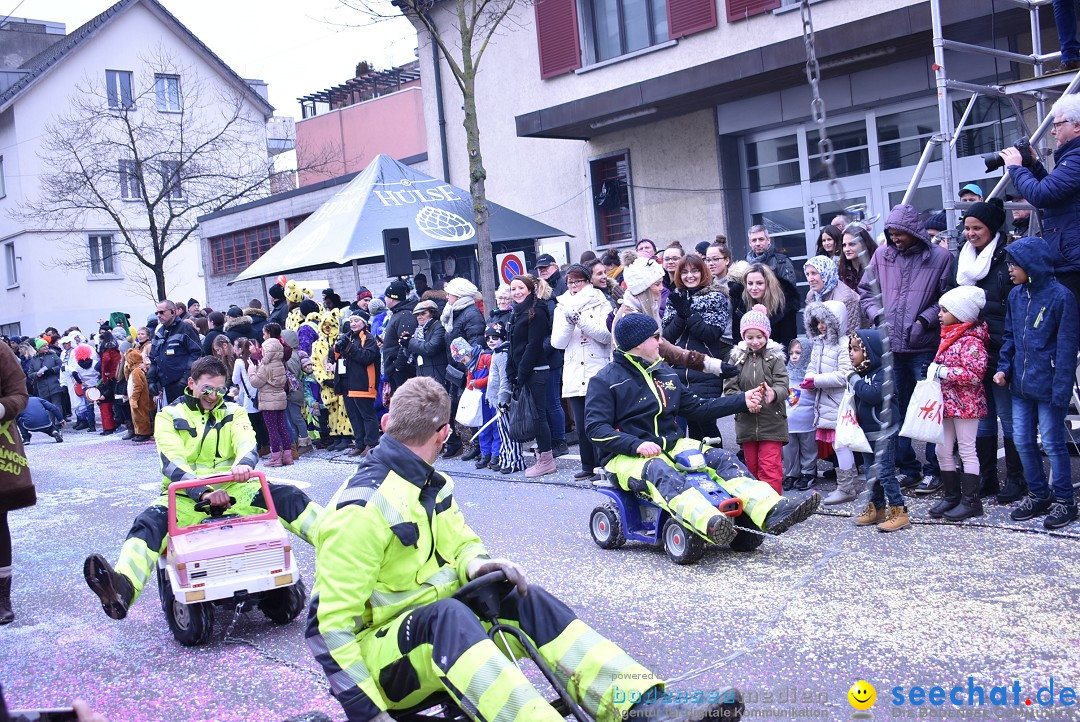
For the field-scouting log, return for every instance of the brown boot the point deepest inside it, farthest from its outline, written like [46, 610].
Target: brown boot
[303, 446]
[896, 520]
[871, 515]
[275, 459]
[545, 464]
[287, 457]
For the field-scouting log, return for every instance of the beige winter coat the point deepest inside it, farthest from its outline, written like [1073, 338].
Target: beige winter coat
[269, 377]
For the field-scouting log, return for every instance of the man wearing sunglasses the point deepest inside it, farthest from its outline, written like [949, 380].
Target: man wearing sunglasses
[630, 414]
[174, 348]
[199, 435]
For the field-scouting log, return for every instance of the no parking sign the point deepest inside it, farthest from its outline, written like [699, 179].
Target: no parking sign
[510, 265]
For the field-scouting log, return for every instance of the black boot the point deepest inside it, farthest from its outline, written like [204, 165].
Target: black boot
[472, 453]
[970, 505]
[950, 482]
[1015, 485]
[790, 510]
[483, 461]
[113, 589]
[7, 616]
[986, 449]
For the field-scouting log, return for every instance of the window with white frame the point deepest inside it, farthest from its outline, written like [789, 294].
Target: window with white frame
[118, 89]
[170, 179]
[167, 90]
[102, 257]
[130, 189]
[10, 269]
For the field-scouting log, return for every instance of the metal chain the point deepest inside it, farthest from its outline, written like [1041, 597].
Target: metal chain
[817, 103]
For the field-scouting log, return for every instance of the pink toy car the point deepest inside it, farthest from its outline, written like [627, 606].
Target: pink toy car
[226, 560]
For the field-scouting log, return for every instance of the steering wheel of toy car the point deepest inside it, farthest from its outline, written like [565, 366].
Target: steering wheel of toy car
[483, 594]
[214, 511]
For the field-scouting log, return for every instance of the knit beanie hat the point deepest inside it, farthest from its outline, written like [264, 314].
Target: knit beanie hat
[633, 328]
[757, 317]
[964, 302]
[495, 329]
[640, 274]
[937, 222]
[460, 348]
[308, 307]
[192, 302]
[578, 270]
[376, 307]
[362, 293]
[38, 343]
[277, 291]
[460, 287]
[991, 213]
[397, 290]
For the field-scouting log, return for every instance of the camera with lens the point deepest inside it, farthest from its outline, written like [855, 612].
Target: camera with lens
[994, 161]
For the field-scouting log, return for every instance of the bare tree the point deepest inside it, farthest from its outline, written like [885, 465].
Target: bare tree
[471, 26]
[144, 156]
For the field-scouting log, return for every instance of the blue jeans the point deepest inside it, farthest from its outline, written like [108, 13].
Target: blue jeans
[998, 406]
[490, 443]
[909, 368]
[1051, 424]
[1065, 17]
[886, 485]
[556, 417]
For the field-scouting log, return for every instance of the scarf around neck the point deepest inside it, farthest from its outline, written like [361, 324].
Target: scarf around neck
[447, 318]
[972, 266]
[950, 334]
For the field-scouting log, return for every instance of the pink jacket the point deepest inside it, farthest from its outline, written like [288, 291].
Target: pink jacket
[962, 389]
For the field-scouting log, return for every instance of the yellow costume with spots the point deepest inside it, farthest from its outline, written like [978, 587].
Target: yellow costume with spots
[294, 294]
[324, 368]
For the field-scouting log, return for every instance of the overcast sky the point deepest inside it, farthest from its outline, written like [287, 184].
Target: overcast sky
[296, 47]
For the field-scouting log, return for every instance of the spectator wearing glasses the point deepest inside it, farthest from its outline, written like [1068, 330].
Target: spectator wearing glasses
[174, 349]
[200, 435]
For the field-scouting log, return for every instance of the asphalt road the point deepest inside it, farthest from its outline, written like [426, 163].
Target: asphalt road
[793, 624]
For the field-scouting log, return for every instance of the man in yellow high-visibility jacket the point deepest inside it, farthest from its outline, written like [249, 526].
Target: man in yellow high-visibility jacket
[393, 547]
[198, 435]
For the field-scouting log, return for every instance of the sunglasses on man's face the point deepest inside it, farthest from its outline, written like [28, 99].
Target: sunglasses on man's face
[213, 391]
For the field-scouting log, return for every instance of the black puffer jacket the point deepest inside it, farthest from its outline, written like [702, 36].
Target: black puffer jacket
[702, 329]
[394, 356]
[429, 353]
[361, 356]
[628, 403]
[996, 285]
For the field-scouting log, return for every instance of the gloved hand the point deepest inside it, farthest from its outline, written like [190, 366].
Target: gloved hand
[404, 337]
[681, 304]
[504, 407]
[808, 383]
[572, 317]
[514, 573]
[942, 372]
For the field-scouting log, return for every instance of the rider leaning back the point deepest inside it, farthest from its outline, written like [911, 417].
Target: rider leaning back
[393, 548]
[198, 435]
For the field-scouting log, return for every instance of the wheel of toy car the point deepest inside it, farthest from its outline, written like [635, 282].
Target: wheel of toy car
[606, 526]
[682, 546]
[283, 605]
[190, 624]
[745, 541]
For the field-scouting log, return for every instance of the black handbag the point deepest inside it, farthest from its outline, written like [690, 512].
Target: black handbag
[523, 416]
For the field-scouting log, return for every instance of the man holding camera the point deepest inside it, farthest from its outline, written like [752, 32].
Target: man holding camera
[1057, 193]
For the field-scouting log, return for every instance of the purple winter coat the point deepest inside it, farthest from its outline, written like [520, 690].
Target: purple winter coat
[911, 284]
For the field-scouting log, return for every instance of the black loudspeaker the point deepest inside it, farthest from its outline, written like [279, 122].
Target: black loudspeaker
[397, 252]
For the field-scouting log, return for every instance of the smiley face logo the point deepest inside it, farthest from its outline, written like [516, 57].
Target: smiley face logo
[862, 695]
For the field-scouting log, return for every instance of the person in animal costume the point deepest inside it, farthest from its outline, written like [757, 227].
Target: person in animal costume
[325, 372]
[294, 294]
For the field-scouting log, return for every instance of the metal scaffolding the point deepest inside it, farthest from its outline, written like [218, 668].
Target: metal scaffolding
[1040, 88]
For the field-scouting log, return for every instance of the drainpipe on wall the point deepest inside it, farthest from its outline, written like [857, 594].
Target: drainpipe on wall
[439, 103]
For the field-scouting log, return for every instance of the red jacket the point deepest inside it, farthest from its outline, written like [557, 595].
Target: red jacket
[110, 362]
[965, 357]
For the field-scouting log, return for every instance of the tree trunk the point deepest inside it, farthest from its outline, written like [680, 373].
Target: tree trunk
[159, 279]
[477, 177]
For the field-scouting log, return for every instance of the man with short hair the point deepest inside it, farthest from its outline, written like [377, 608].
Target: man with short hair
[199, 435]
[762, 251]
[1056, 194]
[174, 348]
[395, 355]
[841, 221]
[393, 548]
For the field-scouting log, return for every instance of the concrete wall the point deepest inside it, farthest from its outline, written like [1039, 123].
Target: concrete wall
[48, 293]
[347, 139]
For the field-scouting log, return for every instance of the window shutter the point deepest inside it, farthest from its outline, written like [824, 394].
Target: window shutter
[690, 16]
[742, 9]
[557, 37]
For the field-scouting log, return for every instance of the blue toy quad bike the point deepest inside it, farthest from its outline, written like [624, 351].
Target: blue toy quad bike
[633, 516]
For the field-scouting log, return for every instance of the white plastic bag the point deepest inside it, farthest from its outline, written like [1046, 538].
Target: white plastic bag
[925, 411]
[470, 408]
[848, 432]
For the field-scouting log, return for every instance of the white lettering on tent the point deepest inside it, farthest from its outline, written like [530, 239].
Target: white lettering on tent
[444, 192]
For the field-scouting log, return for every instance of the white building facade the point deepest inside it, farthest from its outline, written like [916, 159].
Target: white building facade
[41, 286]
